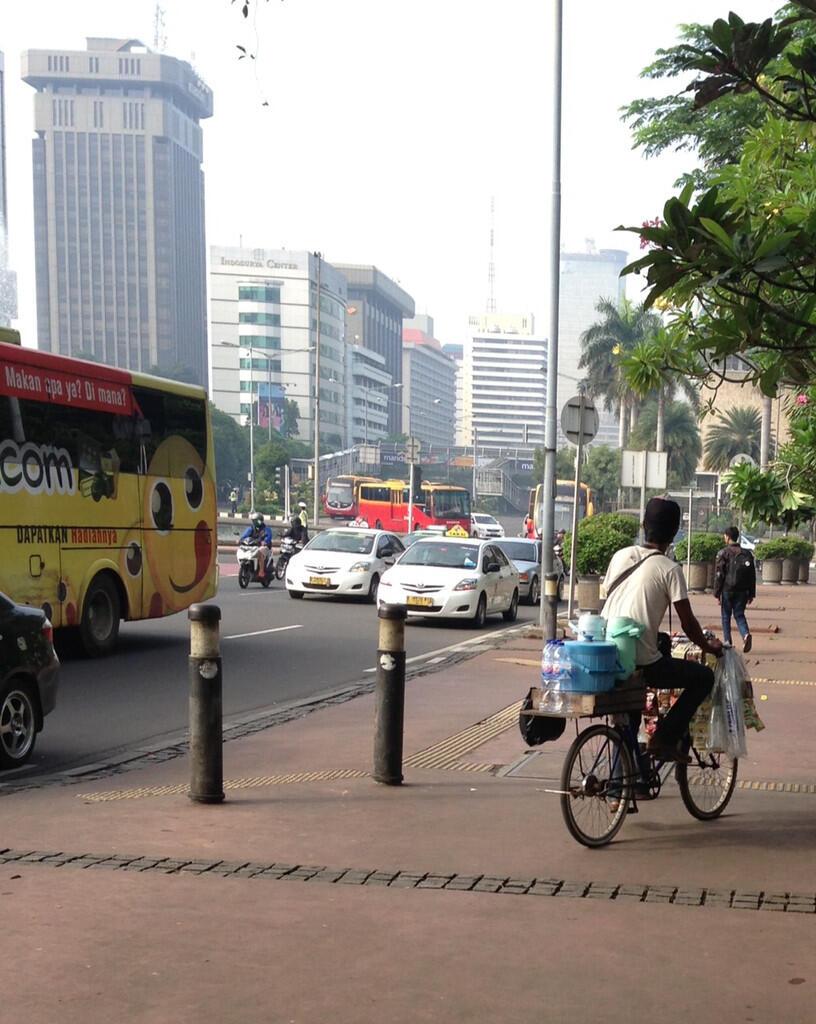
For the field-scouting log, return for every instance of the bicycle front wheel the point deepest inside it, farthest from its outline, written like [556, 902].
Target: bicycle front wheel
[707, 783]
[596, 785]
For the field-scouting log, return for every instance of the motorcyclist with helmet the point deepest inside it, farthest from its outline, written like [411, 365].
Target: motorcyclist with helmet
[297, 531]
[259, 533]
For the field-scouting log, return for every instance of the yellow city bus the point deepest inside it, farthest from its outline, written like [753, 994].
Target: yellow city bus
[564, 490]
[107, 493]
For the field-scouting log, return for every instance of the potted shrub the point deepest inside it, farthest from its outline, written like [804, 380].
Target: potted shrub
[805, 556]
[599, 537]
[770, 553]
[704, 548]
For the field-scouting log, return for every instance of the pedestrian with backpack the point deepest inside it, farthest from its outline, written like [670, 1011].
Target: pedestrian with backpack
[735, 586]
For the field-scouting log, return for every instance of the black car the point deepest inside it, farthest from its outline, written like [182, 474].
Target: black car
[29, 674]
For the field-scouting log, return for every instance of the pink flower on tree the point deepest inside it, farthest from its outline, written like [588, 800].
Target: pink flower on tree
[801, 399]
[644, 242]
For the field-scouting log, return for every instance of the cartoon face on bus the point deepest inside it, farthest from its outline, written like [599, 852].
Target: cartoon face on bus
[179, 517]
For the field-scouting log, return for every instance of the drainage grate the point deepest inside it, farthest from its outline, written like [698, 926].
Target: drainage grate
[789, 902]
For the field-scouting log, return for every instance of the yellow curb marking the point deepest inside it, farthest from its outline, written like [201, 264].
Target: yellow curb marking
[447, 752]
[781, 682]
[246, 783]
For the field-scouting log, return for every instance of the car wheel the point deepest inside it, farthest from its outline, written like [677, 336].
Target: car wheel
[534, 595]
[512, 611]
[18, 723]
[99, 626]
[296, 595]
[480, 614]
[373, 587]
[243, 575]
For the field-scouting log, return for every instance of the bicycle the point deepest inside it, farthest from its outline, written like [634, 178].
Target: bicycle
[605, 772]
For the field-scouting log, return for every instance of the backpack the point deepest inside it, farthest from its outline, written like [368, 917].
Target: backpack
[741, 572]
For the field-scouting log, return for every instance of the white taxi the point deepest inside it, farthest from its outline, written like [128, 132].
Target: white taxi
[448, 578]
[346, 560]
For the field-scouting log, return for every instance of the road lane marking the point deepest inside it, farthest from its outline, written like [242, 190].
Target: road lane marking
[261, 632]
[461, 647]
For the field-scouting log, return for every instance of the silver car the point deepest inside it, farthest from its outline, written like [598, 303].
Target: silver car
[485, 526]
[526, 556]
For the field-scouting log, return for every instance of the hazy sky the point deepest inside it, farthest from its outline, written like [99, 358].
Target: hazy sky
[389, 125]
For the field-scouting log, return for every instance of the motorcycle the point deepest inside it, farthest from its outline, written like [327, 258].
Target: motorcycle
[288, 547]
[249, 560]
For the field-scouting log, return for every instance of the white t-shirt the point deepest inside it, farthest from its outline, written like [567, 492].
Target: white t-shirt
[645, 594]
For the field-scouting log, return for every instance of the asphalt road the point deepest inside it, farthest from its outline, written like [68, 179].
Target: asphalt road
[274, 650]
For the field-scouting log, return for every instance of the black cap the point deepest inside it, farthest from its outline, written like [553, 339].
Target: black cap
[661, 520]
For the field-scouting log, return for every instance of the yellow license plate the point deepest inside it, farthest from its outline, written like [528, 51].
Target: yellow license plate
[319, 581]
[422, 602]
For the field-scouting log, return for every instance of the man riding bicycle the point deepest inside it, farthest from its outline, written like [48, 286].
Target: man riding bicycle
[641, 583]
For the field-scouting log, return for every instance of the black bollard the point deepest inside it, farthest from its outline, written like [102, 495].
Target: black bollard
[206, 761]
[390, 696]
[551, 597]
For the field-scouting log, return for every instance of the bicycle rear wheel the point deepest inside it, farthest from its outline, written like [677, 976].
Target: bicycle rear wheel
[596, 785]
[706, 785]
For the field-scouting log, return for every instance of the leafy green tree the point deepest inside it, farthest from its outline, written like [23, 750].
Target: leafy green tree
[735, 263]
[231, 444]
[564, 464]
[291, 418]
[604, 345]
[682, 439]
[602, 474]
[735, 431]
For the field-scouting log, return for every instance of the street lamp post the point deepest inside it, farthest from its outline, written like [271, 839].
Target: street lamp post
[475, 446]
[318, 257]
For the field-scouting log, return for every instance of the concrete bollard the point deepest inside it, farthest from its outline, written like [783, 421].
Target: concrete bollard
[551, 597]
[390, 696]
[204, 669]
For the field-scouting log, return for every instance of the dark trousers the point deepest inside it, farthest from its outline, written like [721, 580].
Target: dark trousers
[693, 678]
[734, 603]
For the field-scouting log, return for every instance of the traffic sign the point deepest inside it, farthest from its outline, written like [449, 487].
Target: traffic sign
[739, 460]
[412, 447]
[656, 469]
[579, 420]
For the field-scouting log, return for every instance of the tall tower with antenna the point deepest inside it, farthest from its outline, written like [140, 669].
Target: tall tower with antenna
[159, 33]
[491, 266]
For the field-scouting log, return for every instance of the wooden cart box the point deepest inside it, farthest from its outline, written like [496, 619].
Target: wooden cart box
[623, 698]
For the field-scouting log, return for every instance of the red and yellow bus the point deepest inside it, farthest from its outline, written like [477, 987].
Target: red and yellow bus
[564, 491]
[384, 504]
[107, 493]
[340, 500]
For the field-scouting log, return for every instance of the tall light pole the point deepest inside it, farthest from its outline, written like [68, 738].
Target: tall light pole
[318, 257]
[547, 613]
[475, 443]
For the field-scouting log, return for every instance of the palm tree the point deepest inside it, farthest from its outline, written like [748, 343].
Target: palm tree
[737, 430]
[604, 344]
[647, 370]
[682, 438]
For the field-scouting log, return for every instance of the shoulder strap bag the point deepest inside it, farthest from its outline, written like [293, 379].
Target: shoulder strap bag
[628, 572]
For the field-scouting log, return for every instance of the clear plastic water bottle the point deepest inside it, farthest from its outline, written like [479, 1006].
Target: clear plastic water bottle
[546, 665]
[566, 672]
[555, 701]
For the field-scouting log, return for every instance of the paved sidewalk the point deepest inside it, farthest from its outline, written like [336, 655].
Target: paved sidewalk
[458, 896]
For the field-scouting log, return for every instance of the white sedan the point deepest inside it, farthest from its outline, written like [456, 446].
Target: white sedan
[344, 561]
[453, 579]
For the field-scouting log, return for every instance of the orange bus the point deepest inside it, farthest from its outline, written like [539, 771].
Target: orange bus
[564, 490]
[384, 504]
[107, 493]
[340, 499]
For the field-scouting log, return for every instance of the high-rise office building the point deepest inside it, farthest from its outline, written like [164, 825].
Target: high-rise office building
[376, 309]
[119, 206]
[586, 278]
[429, 384]
[264, 323]
[8, 281]
[505, 381]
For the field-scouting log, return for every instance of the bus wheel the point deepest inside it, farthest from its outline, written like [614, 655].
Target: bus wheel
[99, 626]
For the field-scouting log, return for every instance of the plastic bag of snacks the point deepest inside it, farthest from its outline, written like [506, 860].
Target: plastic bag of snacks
[726, 723]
